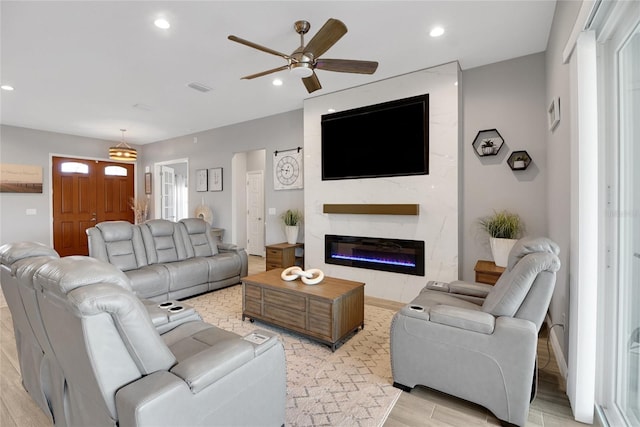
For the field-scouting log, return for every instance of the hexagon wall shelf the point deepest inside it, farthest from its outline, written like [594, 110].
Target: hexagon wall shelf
[488, 142]
[519, 160]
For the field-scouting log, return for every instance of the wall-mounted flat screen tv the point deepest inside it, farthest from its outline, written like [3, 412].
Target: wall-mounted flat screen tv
[381, 140]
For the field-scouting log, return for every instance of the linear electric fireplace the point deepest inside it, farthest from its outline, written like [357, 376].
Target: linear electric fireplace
[398, 256]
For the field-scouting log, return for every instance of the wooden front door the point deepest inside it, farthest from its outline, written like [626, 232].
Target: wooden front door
[86, 192]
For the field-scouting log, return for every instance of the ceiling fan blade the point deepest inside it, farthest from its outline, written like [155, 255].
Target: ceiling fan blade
[312, 83]
[264, 73]
[326, 37]
[257, 46]
[347, 66]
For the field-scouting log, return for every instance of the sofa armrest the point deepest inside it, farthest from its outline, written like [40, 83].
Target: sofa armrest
[208, 366]
[480, 290]
[457, 317]
[228, 247]
[433, 285]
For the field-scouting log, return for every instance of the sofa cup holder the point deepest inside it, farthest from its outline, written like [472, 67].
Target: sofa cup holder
[176, 308]
[418, 308]
[166, 304]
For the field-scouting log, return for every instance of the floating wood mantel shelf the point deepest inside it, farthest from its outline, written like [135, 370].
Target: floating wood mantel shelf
[369, 209]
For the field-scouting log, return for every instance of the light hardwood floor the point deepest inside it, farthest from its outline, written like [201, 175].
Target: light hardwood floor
[421, 407]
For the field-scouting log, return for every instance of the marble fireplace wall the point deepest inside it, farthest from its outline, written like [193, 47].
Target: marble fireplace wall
[437, 194]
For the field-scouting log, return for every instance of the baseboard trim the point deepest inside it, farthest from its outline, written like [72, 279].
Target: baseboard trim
[557, 349]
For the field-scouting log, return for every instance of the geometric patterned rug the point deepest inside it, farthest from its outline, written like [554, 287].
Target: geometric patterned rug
[349, 387]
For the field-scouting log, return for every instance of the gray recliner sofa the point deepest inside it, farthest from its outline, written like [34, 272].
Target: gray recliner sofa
[476, 341]
[41, 376]
[112, 366]
[168, 260]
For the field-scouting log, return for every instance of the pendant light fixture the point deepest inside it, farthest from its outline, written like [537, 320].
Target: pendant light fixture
[123, 152]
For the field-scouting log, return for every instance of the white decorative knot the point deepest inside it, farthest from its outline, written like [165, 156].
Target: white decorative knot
[313, 276]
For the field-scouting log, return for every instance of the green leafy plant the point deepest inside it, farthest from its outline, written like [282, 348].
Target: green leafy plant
[487, 143]
[291, 217]
[502, 225]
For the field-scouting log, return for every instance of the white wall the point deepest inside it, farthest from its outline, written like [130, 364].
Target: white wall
[216, 148]
[508, 96]
[559, 165]
[436, 193]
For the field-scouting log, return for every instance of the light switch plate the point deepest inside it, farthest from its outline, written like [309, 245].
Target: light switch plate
[272, 211]
[31, 212]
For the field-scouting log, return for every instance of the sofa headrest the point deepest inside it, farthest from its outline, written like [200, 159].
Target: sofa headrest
[12, 252]
[508, 294]
[140, 337]
[25, 268]
[66, 274]
[529, 245]
[160, 227]
[195, 225]
[115, 231]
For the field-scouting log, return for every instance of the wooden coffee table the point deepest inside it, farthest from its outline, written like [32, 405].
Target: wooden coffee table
[326, 312]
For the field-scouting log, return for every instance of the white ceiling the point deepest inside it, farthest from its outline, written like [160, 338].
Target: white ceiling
[80, 67]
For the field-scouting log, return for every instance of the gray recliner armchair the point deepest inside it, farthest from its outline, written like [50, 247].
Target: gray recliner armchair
[478, 342]
[119, 370]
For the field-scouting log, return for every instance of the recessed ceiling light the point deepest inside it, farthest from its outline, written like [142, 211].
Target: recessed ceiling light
[162, 23]
[436, 32]
[331, 110]
[277, 82]
[6, 87]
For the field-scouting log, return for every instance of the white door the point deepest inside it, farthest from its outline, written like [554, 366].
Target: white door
[168, 195]
[255, 213]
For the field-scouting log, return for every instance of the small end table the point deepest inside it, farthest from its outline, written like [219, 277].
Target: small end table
[487, 272]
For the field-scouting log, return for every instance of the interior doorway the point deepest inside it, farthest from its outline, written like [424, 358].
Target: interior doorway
[246, 230]
[171, 178]
[84, 193]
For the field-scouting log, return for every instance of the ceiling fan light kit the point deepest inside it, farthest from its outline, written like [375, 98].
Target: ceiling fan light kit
[306, 59]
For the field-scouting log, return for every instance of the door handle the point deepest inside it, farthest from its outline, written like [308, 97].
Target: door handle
[94, 217]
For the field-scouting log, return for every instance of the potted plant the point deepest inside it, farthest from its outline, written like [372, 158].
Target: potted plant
[292, 219]
[487, 146]
[504, 229]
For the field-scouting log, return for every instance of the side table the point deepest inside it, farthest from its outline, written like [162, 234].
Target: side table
[487, 272]
[283, 255]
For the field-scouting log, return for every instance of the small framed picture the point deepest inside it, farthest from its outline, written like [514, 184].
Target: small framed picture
[554, 113]
[147, 183]
[215, 179]
[201, 180]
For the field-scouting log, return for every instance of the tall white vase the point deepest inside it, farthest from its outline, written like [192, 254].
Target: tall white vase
[292, 233]
[500, 249]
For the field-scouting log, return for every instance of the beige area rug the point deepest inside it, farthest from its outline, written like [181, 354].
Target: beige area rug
[349, 387]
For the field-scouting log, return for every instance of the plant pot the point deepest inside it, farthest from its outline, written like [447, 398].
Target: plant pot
[500, 249]
[291, 232]
[487, 150]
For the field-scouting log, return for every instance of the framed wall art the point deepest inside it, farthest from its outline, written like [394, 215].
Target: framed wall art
[215, 179]
[20, 178]
[201, 180]
[147, 183]
[553, 113]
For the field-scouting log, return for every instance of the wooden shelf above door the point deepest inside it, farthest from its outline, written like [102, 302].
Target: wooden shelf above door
[375, 209]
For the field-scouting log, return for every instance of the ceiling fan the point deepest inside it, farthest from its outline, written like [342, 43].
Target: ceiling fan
[306, 59]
